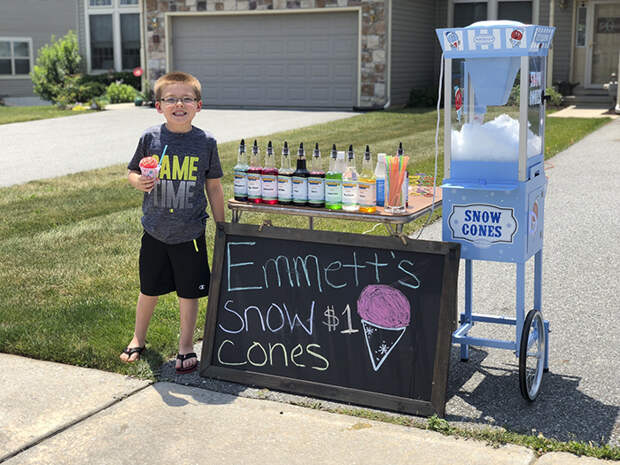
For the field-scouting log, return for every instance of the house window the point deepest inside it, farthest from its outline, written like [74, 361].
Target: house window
[515, 11]
[467, 12]
[580, 33]
[15, 56]
[130, 40]
[113, 29]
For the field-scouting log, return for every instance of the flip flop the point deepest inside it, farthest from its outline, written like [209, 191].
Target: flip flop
[133, 350]
[184, 371]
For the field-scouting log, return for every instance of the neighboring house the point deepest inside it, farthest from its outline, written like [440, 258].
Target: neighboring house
[25, 27]
[298, 53]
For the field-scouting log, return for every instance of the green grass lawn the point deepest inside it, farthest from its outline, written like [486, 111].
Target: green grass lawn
[18, 114]
[69, 279]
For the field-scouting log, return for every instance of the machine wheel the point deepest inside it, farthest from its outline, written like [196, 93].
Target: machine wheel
[532, 355]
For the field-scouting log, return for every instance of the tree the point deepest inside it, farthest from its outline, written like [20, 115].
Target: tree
[56, 61]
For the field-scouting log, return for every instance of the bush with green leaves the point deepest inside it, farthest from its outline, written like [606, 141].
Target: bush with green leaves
[555, 98]
[56, 62]
[119, 93]
[126, 77]
[426, 97]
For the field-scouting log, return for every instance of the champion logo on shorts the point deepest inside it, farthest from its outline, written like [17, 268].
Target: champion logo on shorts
[202, 287]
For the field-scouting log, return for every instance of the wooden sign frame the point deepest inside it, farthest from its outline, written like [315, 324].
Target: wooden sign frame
[446, 320]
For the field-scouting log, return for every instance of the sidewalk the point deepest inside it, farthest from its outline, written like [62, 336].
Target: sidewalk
[59, 414]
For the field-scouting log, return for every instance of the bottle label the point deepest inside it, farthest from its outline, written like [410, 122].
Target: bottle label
[380, 188]
[349, 193]
[316, 190]
[333, 191]
[285, 188]
[254, 186]
[300, 189]
[269, 187]
[241, 184]
[367, 194]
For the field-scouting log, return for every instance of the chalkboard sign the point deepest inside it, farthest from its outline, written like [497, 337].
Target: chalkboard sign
[347, 317]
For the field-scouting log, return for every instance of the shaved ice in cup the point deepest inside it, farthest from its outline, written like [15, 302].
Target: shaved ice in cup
[149, 167]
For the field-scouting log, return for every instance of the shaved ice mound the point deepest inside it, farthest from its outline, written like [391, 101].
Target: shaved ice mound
[384, 306]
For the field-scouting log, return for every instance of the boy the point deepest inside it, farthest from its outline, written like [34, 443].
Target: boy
[173, 255]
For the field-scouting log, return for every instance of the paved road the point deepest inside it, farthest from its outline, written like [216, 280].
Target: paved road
[53, 147]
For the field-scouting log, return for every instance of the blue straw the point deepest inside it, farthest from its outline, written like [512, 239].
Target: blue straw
[162, 154]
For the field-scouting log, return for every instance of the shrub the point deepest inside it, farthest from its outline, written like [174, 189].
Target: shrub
[118, 93]
[106, 79]
[555, 98]
[56, 61]
[426, 97]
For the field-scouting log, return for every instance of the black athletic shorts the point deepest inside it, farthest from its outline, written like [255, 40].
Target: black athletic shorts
[183, 268]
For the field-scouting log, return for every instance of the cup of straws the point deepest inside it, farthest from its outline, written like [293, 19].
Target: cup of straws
[395, 197]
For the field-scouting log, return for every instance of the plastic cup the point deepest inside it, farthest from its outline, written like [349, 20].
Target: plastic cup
[148, 172]
[395, 201]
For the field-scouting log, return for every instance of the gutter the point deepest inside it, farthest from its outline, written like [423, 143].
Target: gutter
[388, 59]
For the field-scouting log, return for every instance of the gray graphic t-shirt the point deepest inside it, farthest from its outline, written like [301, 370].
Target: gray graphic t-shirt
[175, 210]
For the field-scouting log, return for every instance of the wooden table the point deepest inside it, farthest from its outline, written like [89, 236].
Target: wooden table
[418, 206]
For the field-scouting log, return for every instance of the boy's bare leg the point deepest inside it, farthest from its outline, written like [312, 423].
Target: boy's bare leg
[188, 309]
[144, 311]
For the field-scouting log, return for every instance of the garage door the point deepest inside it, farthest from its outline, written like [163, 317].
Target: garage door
[271, 60]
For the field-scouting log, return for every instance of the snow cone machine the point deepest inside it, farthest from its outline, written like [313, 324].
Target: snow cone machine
[494, 183]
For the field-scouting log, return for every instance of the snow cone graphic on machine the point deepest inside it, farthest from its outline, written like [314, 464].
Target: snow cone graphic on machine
[495, 186]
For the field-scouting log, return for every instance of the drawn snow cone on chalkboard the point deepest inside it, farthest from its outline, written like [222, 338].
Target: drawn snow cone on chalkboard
[385, 314]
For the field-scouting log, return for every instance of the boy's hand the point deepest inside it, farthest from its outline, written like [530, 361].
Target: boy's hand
[142, 183]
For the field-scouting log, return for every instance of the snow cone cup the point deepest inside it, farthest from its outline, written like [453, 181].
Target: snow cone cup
[149, 167]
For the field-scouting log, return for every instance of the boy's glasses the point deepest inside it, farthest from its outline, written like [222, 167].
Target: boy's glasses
[174, 100]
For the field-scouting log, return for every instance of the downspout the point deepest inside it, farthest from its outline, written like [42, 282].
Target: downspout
[573, 42]
[142, 47]
[388, 58]
[550, 59]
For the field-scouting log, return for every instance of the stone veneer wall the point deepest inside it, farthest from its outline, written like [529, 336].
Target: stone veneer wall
[374, 37]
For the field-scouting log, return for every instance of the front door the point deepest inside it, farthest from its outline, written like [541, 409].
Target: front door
[603, 43]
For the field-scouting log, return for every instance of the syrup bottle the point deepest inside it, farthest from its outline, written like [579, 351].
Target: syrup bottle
[254, 176]
[367, 185]
[316, 180]
[269, 178]
[241, 174]
[300, 179]
[285, 178]
[350, 178]
[333, 183]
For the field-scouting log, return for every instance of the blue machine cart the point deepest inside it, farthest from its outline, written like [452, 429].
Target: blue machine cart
[494, 184]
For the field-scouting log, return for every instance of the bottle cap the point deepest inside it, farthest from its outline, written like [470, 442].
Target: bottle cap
[351, 153]
[300, 153]
[317, 152]
[242, 146]
[400, 149]
[285, 149]
[269, 148]
[367, 153]
[334, 151]
[255, 147]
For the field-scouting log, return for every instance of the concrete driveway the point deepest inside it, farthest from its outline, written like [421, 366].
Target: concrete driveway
[54, 147]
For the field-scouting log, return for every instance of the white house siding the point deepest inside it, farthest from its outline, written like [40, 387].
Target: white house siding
[36, 19]
[413, 47]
